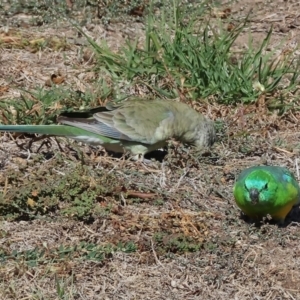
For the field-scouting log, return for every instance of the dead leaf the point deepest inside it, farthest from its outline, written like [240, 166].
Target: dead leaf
[36, 42]
[230, 26]
[34, 193]
[31, 202]
[4, 89]
[224, 14]
[10, 39]
[56, 79]
[137, 11]
[69, 4]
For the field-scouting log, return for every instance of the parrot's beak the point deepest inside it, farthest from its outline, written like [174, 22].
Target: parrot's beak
[254, 196]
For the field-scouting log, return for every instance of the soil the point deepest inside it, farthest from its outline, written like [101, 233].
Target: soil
[192, 242]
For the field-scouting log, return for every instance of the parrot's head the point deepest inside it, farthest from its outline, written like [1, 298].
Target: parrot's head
[259, 187]
[202, 135]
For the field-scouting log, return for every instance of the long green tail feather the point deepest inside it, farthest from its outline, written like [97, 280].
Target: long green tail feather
[57, 130]
[61, 130]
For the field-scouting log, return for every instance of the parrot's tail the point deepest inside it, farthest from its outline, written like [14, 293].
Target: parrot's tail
[78, 134]
[58, 130]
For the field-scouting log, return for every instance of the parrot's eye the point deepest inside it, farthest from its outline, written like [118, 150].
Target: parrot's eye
[266, 186]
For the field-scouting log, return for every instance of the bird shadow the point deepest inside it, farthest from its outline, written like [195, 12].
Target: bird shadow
[157, 155]
[292, 219]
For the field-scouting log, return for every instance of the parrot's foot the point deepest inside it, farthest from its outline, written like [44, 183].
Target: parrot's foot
[45, 142]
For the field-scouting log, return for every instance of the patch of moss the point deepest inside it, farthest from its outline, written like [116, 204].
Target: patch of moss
[73, 192]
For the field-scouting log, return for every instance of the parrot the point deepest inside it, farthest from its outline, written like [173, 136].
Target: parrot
[135, 126]
[263, 190]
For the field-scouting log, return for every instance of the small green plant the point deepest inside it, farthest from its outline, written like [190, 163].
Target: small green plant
[179, 243]
[82, 251]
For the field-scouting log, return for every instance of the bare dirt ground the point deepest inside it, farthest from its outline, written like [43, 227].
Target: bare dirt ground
[181, 204]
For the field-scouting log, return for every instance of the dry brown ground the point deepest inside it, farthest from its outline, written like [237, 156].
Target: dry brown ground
[236, 261]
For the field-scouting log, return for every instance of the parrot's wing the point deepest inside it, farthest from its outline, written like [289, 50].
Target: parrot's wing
[141, 121]
[92, 125]
[287, 175]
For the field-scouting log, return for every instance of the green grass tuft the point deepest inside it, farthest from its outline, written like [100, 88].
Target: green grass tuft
[185, 55]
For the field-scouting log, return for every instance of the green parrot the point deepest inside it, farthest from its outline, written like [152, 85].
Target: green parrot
[263, 190]
[135, 126]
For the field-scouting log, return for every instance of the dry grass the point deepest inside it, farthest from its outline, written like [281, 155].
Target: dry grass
[190, 240]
